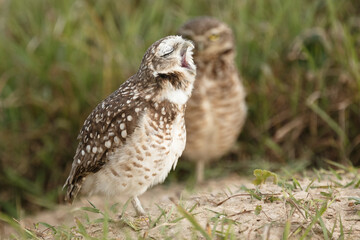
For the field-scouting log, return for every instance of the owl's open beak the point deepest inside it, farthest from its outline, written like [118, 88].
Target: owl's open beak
[184, 62]
[186, 58]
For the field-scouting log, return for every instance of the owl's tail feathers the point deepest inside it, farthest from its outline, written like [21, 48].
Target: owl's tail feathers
[72, 190]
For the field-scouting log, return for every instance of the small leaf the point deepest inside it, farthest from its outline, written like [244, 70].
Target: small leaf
[296, 183]
[49, 226]
[342, 235]
[91, 204]
[81, 228]
[98, 220]
[90, 209]
[325, 194]
[262, 175]
[357, 184]
[253, 194]
[271, 199]
[114, 207]
[258, 209]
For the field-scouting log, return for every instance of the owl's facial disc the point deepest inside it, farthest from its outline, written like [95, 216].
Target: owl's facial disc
[174, 69]
[212, 38]
[174, 54]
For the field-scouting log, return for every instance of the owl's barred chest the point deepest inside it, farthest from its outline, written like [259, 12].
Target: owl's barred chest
[214, 116]
[217, 98]
[147, 158]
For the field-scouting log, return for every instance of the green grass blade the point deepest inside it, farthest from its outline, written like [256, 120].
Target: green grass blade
[17, 227]
[193, 221]
[319, 213]
[324, 229]
[286, 231]
[331, 123]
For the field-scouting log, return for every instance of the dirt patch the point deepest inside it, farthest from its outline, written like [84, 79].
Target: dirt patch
[223, 208]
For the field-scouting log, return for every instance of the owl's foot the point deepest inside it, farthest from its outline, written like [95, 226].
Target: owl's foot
[141, 221]
[137, 206]
[135, 222]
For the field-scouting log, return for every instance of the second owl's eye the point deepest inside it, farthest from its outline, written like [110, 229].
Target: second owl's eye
[214, 37]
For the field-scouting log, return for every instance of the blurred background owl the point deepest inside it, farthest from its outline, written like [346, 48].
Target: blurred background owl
[217, 110]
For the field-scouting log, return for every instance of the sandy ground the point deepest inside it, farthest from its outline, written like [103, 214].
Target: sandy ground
[212, 212]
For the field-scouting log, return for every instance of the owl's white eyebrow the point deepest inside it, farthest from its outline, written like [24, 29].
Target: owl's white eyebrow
[217, 30]
[167, 52]
[165, 49]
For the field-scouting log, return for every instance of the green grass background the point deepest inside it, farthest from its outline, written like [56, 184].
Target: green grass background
[299, 60]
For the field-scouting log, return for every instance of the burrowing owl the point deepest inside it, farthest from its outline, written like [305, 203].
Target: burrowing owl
[135, 136]
[216, 112]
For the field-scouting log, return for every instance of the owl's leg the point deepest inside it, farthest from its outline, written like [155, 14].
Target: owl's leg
[138, 208]
[200, 165]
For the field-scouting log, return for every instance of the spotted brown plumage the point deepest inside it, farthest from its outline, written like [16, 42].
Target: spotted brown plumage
[135, 136]
[216, 111]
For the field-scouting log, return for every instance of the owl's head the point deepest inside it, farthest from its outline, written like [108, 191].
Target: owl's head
[170, 55]
[168, 65]
[212, 37]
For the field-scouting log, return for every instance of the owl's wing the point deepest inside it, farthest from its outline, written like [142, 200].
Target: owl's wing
[106, 128]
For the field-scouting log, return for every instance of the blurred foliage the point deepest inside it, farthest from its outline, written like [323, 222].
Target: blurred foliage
[299, 60]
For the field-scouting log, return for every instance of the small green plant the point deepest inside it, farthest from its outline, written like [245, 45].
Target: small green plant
[258, 209]
[263, 175]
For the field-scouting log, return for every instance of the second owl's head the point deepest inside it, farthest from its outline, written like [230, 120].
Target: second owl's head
[170, 55]
[212, 37]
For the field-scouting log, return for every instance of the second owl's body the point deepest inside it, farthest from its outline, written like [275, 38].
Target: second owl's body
[217, 110]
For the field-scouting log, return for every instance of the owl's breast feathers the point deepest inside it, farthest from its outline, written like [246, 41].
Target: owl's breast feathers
[108, 127]
[215, 112]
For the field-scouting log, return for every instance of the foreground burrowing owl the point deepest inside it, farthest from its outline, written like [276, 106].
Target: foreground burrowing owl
[135, 136]
[216, 112]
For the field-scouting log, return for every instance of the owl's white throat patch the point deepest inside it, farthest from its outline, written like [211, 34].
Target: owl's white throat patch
[176, 96]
